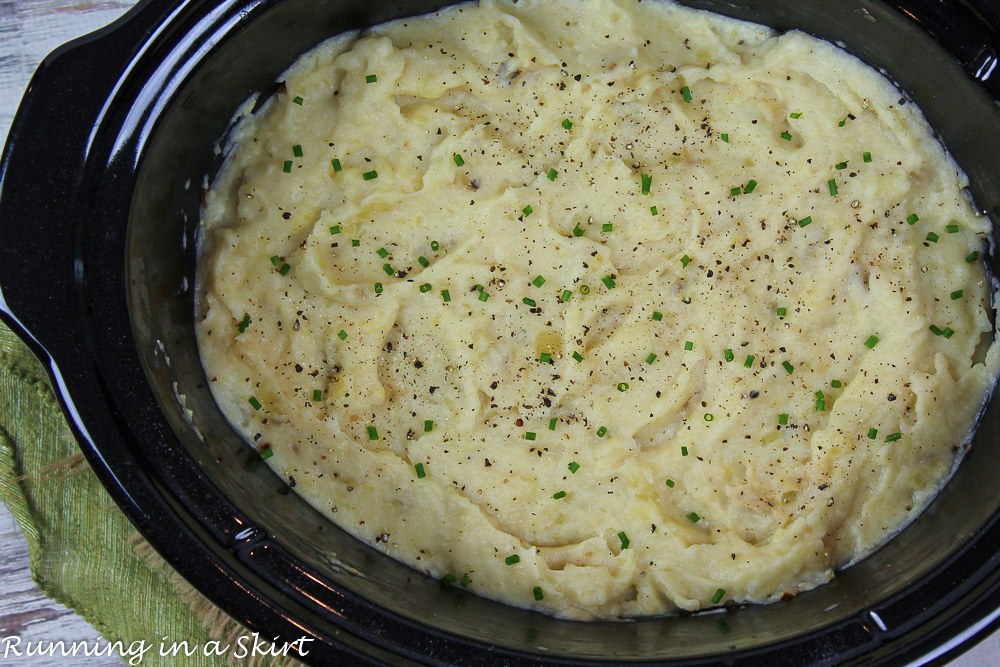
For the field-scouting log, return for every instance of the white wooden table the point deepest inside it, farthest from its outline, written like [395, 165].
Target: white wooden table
[29, 29]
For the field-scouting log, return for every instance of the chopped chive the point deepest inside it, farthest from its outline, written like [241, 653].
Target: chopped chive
[684, 451]
[709, 417]
[578, 357]
[833, 187]
[686, 93]
[724, 137]
[538, 281]
[836, 384]
[728, 354]
[624, 539]
[244, 323]
[584, 289]
[527, 210]
[428, 425]
[435, 246]
[342, 335]
[530, 435]
[670, 483]
[552, 174]
[484, 297]
[465, 581]
[419, 468]
[957, 294]
[749, 362]
[841, 165]
[298, 100]
[685, 260]
[948, 333]
[952, 229]
[602, 431]
[389, 271]
[423, 261]
[804, 222]
[866, 156]
[935, 330]
[932, 237]
[287, 168]
[538, 593]
[821, 405]
[842, 123]
[285, 268]
[336, 165]
[749, 187]
[382, 252]
[795, 115]
[355, 243]
[650, 359]
[372, 433]
[658, 316]
[566, 295]
[459, 160]
[378, 288]
[254, 403]
[693, 517]
[623, 386]
[786, 136]
[512, 560]
[607, 227]
[912, 218]
[558, 495]
[297, 150]
[425, 288]
[872, 433]
[894, 437]
[335, 229]
[688, 345]
[578, 231]
[529, 302]
[266, 453]
[545, 358]
[371, 78]
[783, 419]
[317, 395]
[787, 365]
[647, 183]
[573, 467]
[567, 123]
[608, 281]
[370, 175]
[973, 257]
[871, 342]
[449, 579]
[719, 594]
[782, 312]
[445, 295]
[653, 210]
[552, 423]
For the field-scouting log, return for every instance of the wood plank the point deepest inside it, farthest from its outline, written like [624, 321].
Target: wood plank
[25, 612]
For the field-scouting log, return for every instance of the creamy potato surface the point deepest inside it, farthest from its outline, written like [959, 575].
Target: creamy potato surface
[598, 307]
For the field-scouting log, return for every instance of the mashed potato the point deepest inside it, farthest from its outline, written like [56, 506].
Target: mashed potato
[597, 307]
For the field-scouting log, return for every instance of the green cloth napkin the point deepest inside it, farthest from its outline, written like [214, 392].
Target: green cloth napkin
[84, 552]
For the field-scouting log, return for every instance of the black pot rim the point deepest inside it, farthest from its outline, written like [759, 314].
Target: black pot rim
[237, 570]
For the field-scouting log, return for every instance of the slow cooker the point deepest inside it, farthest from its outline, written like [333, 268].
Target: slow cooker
[100, 187]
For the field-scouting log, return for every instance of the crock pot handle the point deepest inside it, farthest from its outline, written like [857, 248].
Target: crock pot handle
[40, 178]
[968, 29]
